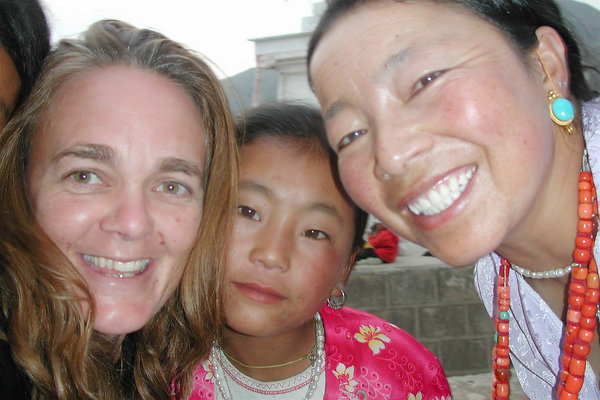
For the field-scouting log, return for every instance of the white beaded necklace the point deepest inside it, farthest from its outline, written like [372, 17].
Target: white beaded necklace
[553, 273]
[316, 367]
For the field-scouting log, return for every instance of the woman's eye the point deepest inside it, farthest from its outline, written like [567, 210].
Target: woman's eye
[349, 138]
[85, 177]
[426, 80]
[174, 188]
[248, 212]
[315, 234]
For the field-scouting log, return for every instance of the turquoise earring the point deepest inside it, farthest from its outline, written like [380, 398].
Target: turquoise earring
[561, 110]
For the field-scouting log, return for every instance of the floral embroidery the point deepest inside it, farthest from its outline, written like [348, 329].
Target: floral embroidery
[373, 336]
[419, 396]
[345, 376]
[210, 376]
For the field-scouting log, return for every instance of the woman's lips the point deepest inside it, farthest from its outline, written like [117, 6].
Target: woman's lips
[262, 294]
[443, 194]
[115, 268]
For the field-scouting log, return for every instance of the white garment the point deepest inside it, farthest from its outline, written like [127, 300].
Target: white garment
[535, 331]
[243, 387]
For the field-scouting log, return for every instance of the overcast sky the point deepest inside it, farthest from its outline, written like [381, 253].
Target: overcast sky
[220, 29]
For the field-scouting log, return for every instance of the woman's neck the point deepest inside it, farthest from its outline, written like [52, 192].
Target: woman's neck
[545, 238]
[271, 350]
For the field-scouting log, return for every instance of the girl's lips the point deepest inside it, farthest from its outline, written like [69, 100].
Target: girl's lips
[262, 294]
[443, 194]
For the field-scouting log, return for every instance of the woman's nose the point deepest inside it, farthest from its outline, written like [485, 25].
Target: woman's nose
[396, 148]
[129, 216]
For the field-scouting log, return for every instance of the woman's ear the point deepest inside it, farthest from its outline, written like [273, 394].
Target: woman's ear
[551, 54]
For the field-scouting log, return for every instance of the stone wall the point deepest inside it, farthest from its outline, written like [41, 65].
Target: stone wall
[434, 302]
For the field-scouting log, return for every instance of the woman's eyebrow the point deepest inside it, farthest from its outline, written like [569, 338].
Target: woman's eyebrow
[97, 152]
[173, 164]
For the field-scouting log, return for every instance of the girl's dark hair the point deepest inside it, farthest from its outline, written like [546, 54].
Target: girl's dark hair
[302, 124]
[25, 36]
[518, 19]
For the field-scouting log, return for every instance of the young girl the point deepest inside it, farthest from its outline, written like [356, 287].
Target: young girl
[294, 242]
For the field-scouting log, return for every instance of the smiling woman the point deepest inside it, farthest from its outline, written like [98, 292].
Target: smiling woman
[110, 210]
[468, 128]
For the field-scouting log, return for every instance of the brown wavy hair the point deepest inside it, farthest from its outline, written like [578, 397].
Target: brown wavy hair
[51, 338]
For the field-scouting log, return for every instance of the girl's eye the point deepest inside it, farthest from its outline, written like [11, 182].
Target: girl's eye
[248, 212]
[349, 138]
[315, 234]
[85, 177]
[173, 188]
[426, 80]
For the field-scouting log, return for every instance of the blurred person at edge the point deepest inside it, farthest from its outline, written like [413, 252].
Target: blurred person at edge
[24, 43]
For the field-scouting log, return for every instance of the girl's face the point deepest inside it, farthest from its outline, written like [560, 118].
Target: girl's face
[442, 129]
[291, 239]
[116, 181]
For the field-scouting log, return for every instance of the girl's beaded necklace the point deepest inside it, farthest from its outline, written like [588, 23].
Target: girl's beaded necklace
[317, 364]
[584, 295]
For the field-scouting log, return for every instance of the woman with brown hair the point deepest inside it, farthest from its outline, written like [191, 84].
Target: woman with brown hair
[117, 180]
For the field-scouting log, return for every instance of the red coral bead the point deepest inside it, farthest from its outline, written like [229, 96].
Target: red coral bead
[502, 340]
[586, 335]
[577, 366]
[588, 322]
[565, 395]
[584, 226]
[577, 287]
[581, 349]
[573, 315]
[576, 300]
[584, 242]
[584, 186]
[585, 176]
[503, 362]
[502, 390]
[579, 273]
[581, 256]
[588, 310]
[502, 374]
[502, 351]
[592, 296]
[585, 211]
[593, 281]
[574, 384]
[585, 196]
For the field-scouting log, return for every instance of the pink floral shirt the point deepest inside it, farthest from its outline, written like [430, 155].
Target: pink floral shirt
[366, 358]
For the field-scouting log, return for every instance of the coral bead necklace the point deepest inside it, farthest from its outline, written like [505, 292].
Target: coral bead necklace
[583, 297]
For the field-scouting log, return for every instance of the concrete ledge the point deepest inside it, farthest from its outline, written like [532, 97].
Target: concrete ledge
[431, 300]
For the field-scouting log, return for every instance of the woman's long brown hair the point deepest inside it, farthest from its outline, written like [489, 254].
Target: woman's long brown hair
[51, 337]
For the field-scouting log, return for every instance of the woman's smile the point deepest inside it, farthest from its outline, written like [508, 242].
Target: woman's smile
[115, 268]
[443, 194]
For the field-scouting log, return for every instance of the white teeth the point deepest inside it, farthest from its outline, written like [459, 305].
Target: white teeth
[441, 196]
[121, 269]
